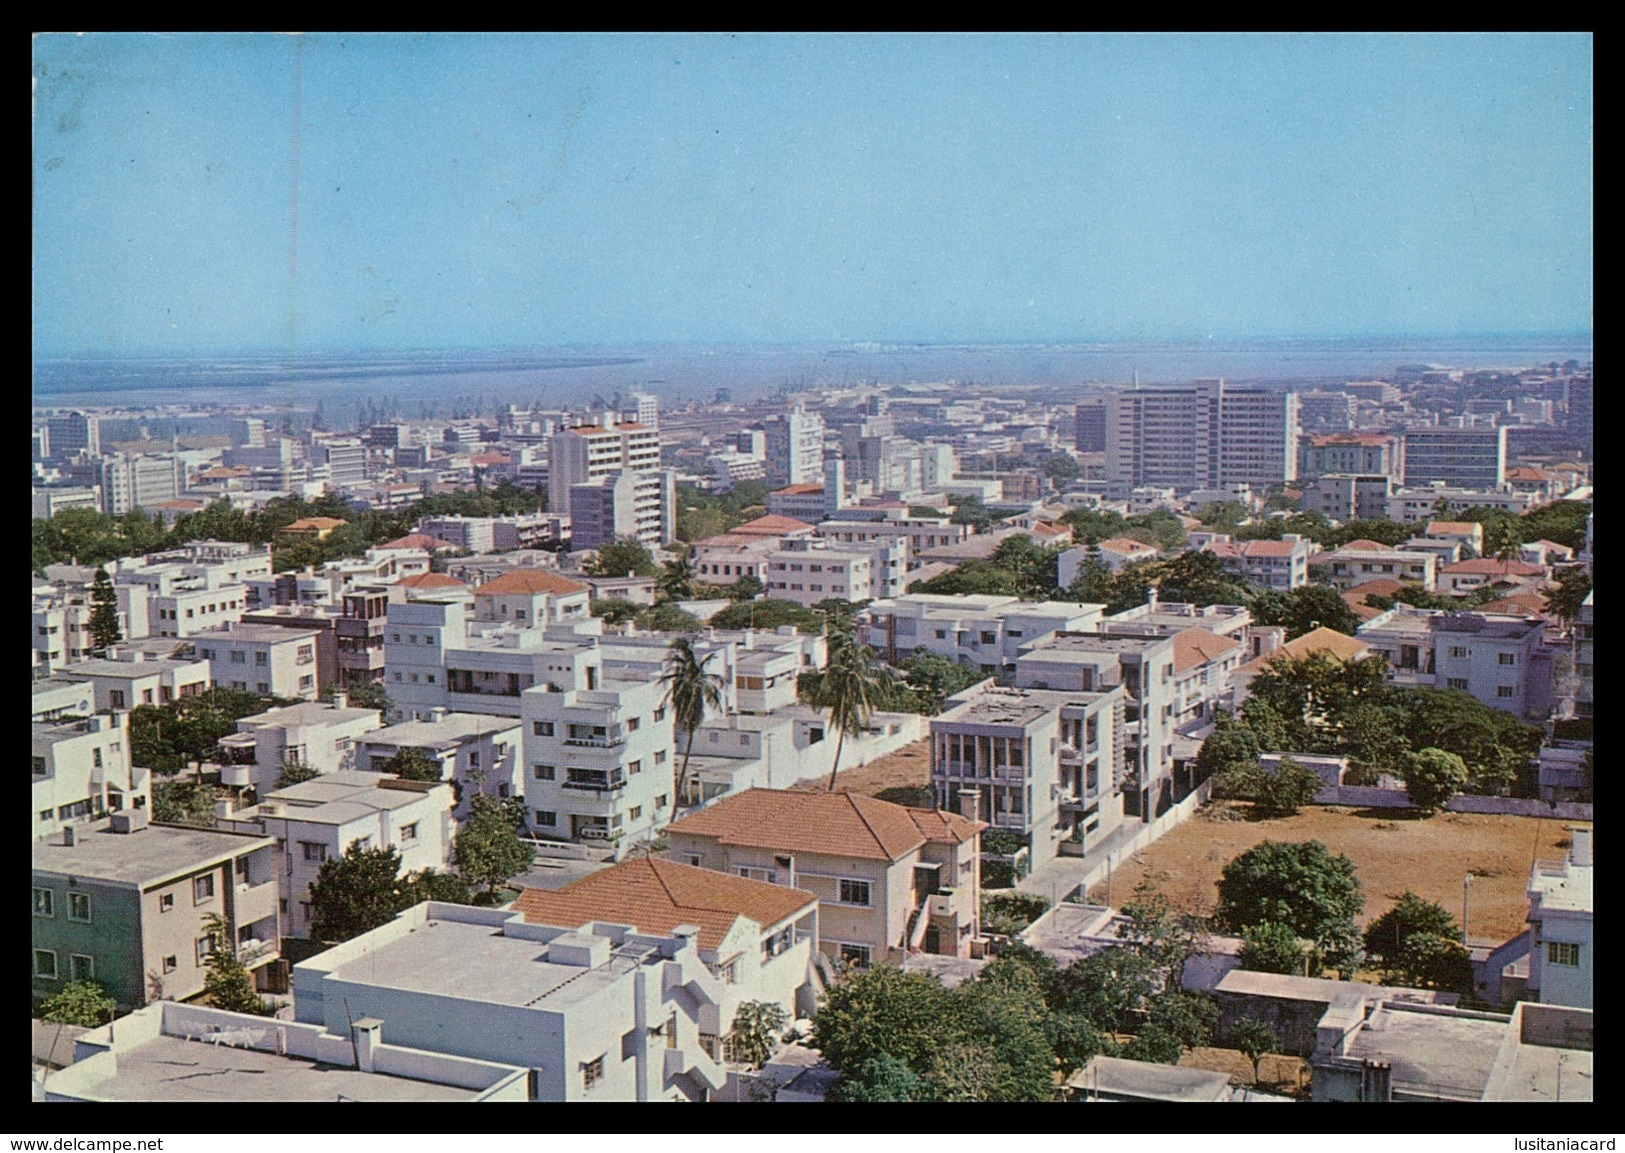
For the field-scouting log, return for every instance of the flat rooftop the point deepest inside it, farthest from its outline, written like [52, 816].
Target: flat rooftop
[335, 798]
[144, 856]
[174, 1070]
[1434, 1053]
[1567, 886]
[307, 713]
[258, 634]
[474, 962]
[1011, 707]
[1145, 1081]
[1058, 644]
[449, 729]
[131, 669]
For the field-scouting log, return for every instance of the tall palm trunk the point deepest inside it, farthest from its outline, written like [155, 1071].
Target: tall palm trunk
[836, 767]
[682, 776]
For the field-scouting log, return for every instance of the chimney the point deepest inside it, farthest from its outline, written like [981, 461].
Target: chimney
[970, 804]
[1151, 598]
[1580, 846]
[67, 836]
[437, 714]
[341, 699]
[366, 1034]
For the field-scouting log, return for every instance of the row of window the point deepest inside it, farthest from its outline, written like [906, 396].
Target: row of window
[78, 905]
[81, 966]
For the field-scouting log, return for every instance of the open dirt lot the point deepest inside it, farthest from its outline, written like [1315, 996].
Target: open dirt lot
[1391, 853]
[902, 777]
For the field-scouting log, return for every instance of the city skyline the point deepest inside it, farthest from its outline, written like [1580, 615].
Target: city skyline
[325, 192]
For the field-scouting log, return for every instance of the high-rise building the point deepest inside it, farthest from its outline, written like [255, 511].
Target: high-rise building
[795, 448]
[1362, 453]
[139, 482]
[1089, 426]
[75, 431]
[1472, 458]
[644, 409]
[1207, 434]
[1580, 408]
[586, 464]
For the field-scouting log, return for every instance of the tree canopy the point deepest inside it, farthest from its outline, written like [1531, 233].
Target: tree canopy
[84, 1003]
[487, 850]
[627, 555]
[1301, 886]
[1432, 777]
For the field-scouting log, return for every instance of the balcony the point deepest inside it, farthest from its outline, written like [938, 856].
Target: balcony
[1070, 755]
[256, 952]
[607, 785]
[946, 903]
[1010, 820]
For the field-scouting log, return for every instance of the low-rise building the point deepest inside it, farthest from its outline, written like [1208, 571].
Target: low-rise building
[755, 938]
[1502, 661]
[475, 750]
[888, 879]
[311, 734]
[984, 632]
[127, 678]
[82, 771]
[1562, 947]
[126, 903]
[316, 821]
[266, 659]
[1282, 565]
[599, 1013]
[54, 699]
[1334, 645]
[1465, 576]
[1361, 561]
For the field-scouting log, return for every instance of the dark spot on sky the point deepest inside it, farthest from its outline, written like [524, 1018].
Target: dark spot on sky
[53, 164]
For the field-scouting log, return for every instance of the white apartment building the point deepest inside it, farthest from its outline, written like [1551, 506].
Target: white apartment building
[82, 771]
[1281, 565]
[51, 699]
[756, 938]
[1501, 661]
[723, 559]
[317, 820]
[1361, 561]
[1469, 458]
[1045, 765]
[809, 570]
[1205, 435]
[126, 678]
[267, 659]
[602, 1013]
[1345, 496]
[922, 532]
[130, 482]
[1144, 667]
[613, 470]
[476, 750]
[795, 447]
[983, 631]
[1411, 505]
[1562, 945]
[316, 735]
[599, 755]
[532, 598]
[1114, 553]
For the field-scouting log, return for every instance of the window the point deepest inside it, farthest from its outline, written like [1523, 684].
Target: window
[78, 906]
[660, 756]
[409, 832]
[116, 698]
[1458, 651]
[543, 772]
[1455, 683]
[202, 948]
[542, 728]
[171, 963]
[854, 892]
[546, 819]
[695, 859]
[1507, 658]
[633, 768]
[260, 659]
[1505, 692]
[660, 714]
[629, 1044]
[1562, 953]
[854, 954]
[81, 967]
[632, 724]
[635, 812]
[239, 657]
[314, 851]
[660, 801]
[166, 902]
[592, 1072]
[44, 903]
[202, 888]
[45, 963]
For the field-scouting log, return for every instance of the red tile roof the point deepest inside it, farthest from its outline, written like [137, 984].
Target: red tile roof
[1196, 646]
[1453, 527]
[1488, 566]
[529, 582]
[1123, 544]
[1338, 646]
[431, 580]
[798, 490]
[1363, 545]
[417, 540]
[836, 824]
[771, 525]
[1517, 604]
[944, 827]
[656, 896]
[490, 458]
[1355, 597]
[1045, 529]
[315, 522]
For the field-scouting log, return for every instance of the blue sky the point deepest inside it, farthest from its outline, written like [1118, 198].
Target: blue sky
[473, 191]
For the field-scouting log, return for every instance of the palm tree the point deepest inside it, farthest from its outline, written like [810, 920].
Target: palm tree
[850, 687]
[676, 580]
[690, 690]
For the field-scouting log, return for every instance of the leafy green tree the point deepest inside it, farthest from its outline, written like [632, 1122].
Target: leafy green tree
[1434, 961]
[104, 626]
[1283, 792]
[1188, 1017]
[1411, 915]
[1222, 516]
[294, 773]
[1060, 468]
[1075, 1040]
[884, 1079]
[756, 1027]
[1306, 608]
[1199, 578]
[1231, 746]
[999, 1016]
[627, 555]
[768, 614]
[936, 678]
[970, 510]
[355, 892]
[83, 1003]
[1108, 987]
[882, 1012]
[228, 984]
[1254, 1039]
[370, 695]
[691, 692]
[1166, 939]
[487, 850]
[1032, 567]
[1432, 777]
[1010, 913]
[973, 578]
[413, 764]
[847, 694]
[1090, 526]
[666, 617]
[1155, 1044]
[184, 803]
[1369, 738]
[747, 587]
[616, 610]
[1297, 884]
[1093, 584]
[1268, 947]
[1573, 586]
[429, 885]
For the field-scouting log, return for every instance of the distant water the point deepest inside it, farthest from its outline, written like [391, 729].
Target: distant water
[571, 377]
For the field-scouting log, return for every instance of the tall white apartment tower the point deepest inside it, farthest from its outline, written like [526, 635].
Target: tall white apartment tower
[795, 448]
[1207, 434]
[644, 409]
[589, 462]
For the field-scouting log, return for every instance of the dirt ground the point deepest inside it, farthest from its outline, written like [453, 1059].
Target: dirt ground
[1390, 852]
[902, 777]
[1277, 1072]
